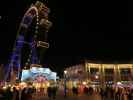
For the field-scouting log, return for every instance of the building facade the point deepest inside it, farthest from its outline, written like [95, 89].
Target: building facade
[101, 74]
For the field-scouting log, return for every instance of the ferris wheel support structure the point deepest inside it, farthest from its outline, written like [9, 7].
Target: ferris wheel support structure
[39, 13]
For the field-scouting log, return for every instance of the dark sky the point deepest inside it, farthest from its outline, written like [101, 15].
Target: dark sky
[100, 30]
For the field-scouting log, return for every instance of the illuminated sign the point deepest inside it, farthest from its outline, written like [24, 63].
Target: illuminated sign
[42, 44]
[38, 71]
[25, 74]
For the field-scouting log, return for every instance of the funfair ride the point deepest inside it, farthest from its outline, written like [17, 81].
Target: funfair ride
[32, 33]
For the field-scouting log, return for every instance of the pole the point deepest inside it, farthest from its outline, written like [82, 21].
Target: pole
[65, 88]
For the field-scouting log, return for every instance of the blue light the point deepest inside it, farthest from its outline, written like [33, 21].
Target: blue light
[25, 74]
[27, 20]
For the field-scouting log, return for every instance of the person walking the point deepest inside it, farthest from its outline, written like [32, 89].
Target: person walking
[15, 94]
[54, 91]
[49, 91]
[23, 94]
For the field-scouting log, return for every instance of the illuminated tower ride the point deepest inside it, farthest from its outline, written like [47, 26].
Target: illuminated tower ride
[32, 34]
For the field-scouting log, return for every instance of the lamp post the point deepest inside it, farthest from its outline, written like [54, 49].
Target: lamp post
[65, 79]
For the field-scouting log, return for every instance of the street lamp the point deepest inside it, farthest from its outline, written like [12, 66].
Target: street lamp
[65, 88]
[65, 72]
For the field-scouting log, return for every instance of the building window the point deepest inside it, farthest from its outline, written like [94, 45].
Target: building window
[125, 74]
[94, 71]
[109, 71]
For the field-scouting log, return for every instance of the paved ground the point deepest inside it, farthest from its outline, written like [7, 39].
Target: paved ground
[60, 97]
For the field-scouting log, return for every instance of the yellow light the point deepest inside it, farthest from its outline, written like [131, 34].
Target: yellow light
[4, 87]
[84, 83]
[9, 85]
[119, 83]
[65, 72]
[22, 83]
[96, 77]
[48, 84]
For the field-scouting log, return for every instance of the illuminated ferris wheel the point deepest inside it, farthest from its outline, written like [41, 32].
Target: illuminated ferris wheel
[32, 33]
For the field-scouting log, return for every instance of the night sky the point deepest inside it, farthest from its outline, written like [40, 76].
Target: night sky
[97, 30]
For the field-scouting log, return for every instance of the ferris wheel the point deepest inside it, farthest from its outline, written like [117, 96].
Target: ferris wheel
[32, 33]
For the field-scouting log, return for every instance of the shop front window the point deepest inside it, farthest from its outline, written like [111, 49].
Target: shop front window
[94, 74]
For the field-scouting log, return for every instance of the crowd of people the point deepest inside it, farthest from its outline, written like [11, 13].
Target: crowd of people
[52, 92]
[117, 93]
[27, 93]
[107, 93]
[12, 93]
